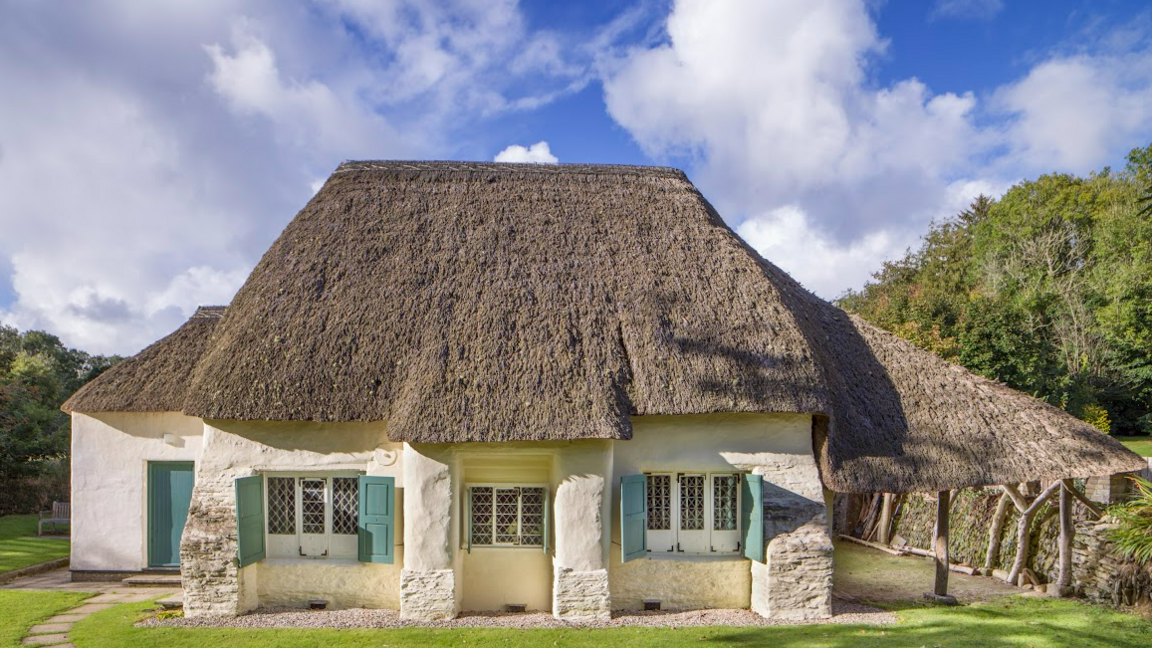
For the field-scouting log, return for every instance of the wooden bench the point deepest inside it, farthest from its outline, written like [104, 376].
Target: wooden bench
[61, 513]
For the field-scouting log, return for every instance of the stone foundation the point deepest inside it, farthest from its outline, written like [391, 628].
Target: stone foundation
[581, 596]
[428, 595]
[795, 581]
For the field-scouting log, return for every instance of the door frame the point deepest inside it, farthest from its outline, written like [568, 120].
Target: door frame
[150, 563]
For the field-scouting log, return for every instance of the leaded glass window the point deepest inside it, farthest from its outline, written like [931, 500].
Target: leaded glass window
[692, 502]
[312, 505]
[345, 505]
[724, 494]
[282, 505]
[659, 502]
[508, 515]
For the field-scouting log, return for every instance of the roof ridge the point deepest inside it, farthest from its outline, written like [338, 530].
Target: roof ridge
[567, 168]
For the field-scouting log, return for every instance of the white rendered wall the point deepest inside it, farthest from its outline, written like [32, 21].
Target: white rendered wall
[110, 455]
[772, 445]
[235, 449]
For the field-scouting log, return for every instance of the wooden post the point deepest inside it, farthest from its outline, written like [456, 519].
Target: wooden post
[943, 500]
[1064, 582]
[1024, 527]
[996, 533]
[885, 524]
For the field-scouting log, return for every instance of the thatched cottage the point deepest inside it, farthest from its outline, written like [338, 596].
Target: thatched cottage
[457, 386]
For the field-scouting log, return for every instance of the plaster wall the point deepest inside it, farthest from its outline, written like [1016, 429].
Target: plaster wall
[232, 449]
[343, 583]
[110, 455]
[776, 446]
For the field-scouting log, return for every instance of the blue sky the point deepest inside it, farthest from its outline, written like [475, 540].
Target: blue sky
[150, 152]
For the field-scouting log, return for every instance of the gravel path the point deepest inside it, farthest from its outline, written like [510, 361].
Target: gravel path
[342, 619]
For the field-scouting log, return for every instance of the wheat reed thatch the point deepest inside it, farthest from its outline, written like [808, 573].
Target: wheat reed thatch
[466, 302]
[155, 379]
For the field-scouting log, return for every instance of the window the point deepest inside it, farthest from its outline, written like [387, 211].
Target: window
[314, 516]
[693, 513]
[506, 516]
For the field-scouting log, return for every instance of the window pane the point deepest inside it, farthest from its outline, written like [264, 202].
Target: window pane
[692, 502]
[724, 502]
[282, 505]
[312, 505]
[345, 505]
[659, 502]
[532, 516]
[507, 515]
[482, 515]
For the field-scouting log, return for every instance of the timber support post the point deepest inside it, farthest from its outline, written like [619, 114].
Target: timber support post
[940, 590]
[1067, 531]
[885, 525]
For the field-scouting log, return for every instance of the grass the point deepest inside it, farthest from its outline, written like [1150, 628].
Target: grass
[1011, 621]
[20, 547]
[1140, 445]
[20, 610]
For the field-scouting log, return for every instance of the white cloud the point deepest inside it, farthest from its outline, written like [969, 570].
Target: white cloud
[538, 153]
[776, 108]
[786, 237]
[1074, 113]
[975, 9]
[150, 152]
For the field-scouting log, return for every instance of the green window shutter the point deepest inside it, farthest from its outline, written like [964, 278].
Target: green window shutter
[377, 528]
[633, 517]
[249, 520]
[752, 516]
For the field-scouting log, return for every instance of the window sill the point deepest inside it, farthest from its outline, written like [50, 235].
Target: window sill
[301, 561]
[687, 557]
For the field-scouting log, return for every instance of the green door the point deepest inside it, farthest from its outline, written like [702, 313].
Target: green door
[169, 494]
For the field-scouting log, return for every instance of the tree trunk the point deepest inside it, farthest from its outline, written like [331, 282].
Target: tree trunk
[1024, 532]
[997, 532]
[943, 499]
[1067, 531]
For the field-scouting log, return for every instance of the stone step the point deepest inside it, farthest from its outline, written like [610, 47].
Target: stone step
[172, 601]
[153, 580]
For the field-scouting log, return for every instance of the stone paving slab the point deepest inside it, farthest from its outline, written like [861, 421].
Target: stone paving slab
[66, 618]
[89, 608]
[49, 628]
[48, 640]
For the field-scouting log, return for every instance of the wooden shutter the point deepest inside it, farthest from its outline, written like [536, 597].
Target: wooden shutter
[377, 528]
[752, 516]
[633, 517]
[249, 520]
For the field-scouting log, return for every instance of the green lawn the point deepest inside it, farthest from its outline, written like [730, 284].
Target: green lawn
[1014, 621]
[1140, 445]
[19, 546]
[20, 610]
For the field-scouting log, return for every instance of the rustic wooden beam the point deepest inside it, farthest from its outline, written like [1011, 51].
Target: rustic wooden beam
[885, 524]
[1088, 504]
[996, 533]
[1017, 499]
[1067, 531]
[873, 545]
[1024, 530]
[943, 501]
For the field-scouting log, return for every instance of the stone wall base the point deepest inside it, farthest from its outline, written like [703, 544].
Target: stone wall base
[795, 582]
[581, 596]
[428, 595]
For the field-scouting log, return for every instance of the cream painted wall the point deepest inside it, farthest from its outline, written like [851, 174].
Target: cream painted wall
[496, 576]
[241, 448]
[110, 455]
[702, 442]
[343, 583]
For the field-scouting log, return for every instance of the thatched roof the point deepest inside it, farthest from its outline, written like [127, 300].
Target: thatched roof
[155, 379]
[488, 302]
